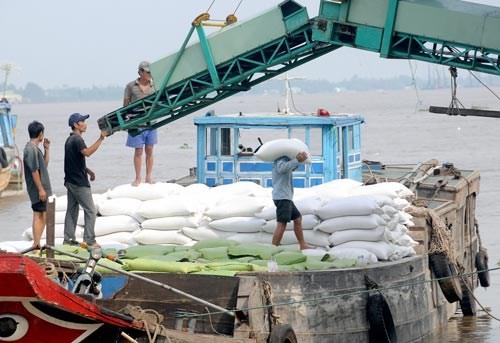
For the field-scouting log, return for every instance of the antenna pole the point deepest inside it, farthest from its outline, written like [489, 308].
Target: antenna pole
[7, 68]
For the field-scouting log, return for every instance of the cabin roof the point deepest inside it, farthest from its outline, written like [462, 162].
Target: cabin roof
[267, 119]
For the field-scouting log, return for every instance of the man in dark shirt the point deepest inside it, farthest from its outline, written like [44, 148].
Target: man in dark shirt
[37, 177]
[76, 180]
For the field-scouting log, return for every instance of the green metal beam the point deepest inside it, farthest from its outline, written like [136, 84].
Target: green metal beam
[201, 90]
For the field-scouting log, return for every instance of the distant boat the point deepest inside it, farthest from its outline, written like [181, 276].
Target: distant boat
[10, 161]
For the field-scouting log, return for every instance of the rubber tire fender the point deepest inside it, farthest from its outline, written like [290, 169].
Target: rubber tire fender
[378, 313]
[443, 268]
[282, 333]
[482, 267]
[4, 162]
[468, 303]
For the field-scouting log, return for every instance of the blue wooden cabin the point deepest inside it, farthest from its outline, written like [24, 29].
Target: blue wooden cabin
[224, 155]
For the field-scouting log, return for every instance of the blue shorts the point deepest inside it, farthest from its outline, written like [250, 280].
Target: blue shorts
[146, 137]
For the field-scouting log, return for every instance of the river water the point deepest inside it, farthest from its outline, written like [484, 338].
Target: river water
[398, 129]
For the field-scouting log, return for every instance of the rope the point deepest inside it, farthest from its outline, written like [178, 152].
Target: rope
[471, 293]
[414, 83]
[441, 240]
[50, 270]
[353, 293]
[481, 82]
[238, 6]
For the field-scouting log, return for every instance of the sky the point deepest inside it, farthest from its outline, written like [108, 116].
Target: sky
[61, 43]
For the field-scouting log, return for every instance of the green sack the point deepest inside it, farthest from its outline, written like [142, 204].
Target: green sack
[292, 267]
[230, 265]
[214, 243]
[287, 258]
[319, 265]
[217, 272]
[261, 251]
[218, 253]
[147, 250]
[143, 264]
[183, 255]
[345, 262]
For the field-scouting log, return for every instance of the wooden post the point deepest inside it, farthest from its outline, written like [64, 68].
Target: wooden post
[50, 225]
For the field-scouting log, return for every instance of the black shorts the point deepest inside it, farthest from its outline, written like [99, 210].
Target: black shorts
[286, 211]
[40, 206]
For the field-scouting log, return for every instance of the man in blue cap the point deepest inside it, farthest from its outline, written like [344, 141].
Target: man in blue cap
[76, 181]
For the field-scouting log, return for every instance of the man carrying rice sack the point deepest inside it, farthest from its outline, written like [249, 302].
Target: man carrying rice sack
[282, 176]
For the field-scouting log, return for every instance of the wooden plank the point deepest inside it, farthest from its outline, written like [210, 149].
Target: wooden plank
[465, 112]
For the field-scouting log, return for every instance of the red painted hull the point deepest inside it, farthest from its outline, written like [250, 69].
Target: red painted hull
[43, 311]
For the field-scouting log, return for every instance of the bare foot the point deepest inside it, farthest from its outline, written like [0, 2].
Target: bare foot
[306, 246]
[150, 181]
[136, 183]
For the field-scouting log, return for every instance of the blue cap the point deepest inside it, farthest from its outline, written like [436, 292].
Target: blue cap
[76, 117]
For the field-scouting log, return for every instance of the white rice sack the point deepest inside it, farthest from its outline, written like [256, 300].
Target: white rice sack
[256, 237]
[373, 235]
[204, 233]
[381, 249]
[277, 148]
[144, 191]
[267, 213]
[309, 221]
[166, 207]
[58, 232]
[60, 217]
[349, 206]
[376, 189]
[334, 189]
[117, 239]
[370, 221]
[238, 224]
[315, 252]
[62, 201]
[201, 195]
[389, 210]
[308, 205]
[400, 203]
[240, 206]
[110, 224]
[170, 223]
[405, 218]
[363, 256]
[145, 236]
[15, 246]
[406, 241]
[401, 252]
[316, 238]
[237, 189]
[117, 206]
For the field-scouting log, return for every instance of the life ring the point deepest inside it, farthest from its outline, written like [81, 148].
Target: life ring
[282, 333]
[468, 303]
[378, 313]
[482, 268]
[442, 268]
[4, 162]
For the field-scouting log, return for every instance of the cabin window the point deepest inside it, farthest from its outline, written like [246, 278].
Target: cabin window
[316, 142]
[350, 138]
[248, 139]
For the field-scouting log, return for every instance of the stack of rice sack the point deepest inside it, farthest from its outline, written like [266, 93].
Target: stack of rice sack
[369, 219]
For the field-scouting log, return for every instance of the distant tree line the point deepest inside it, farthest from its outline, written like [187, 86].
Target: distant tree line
[33, 93]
